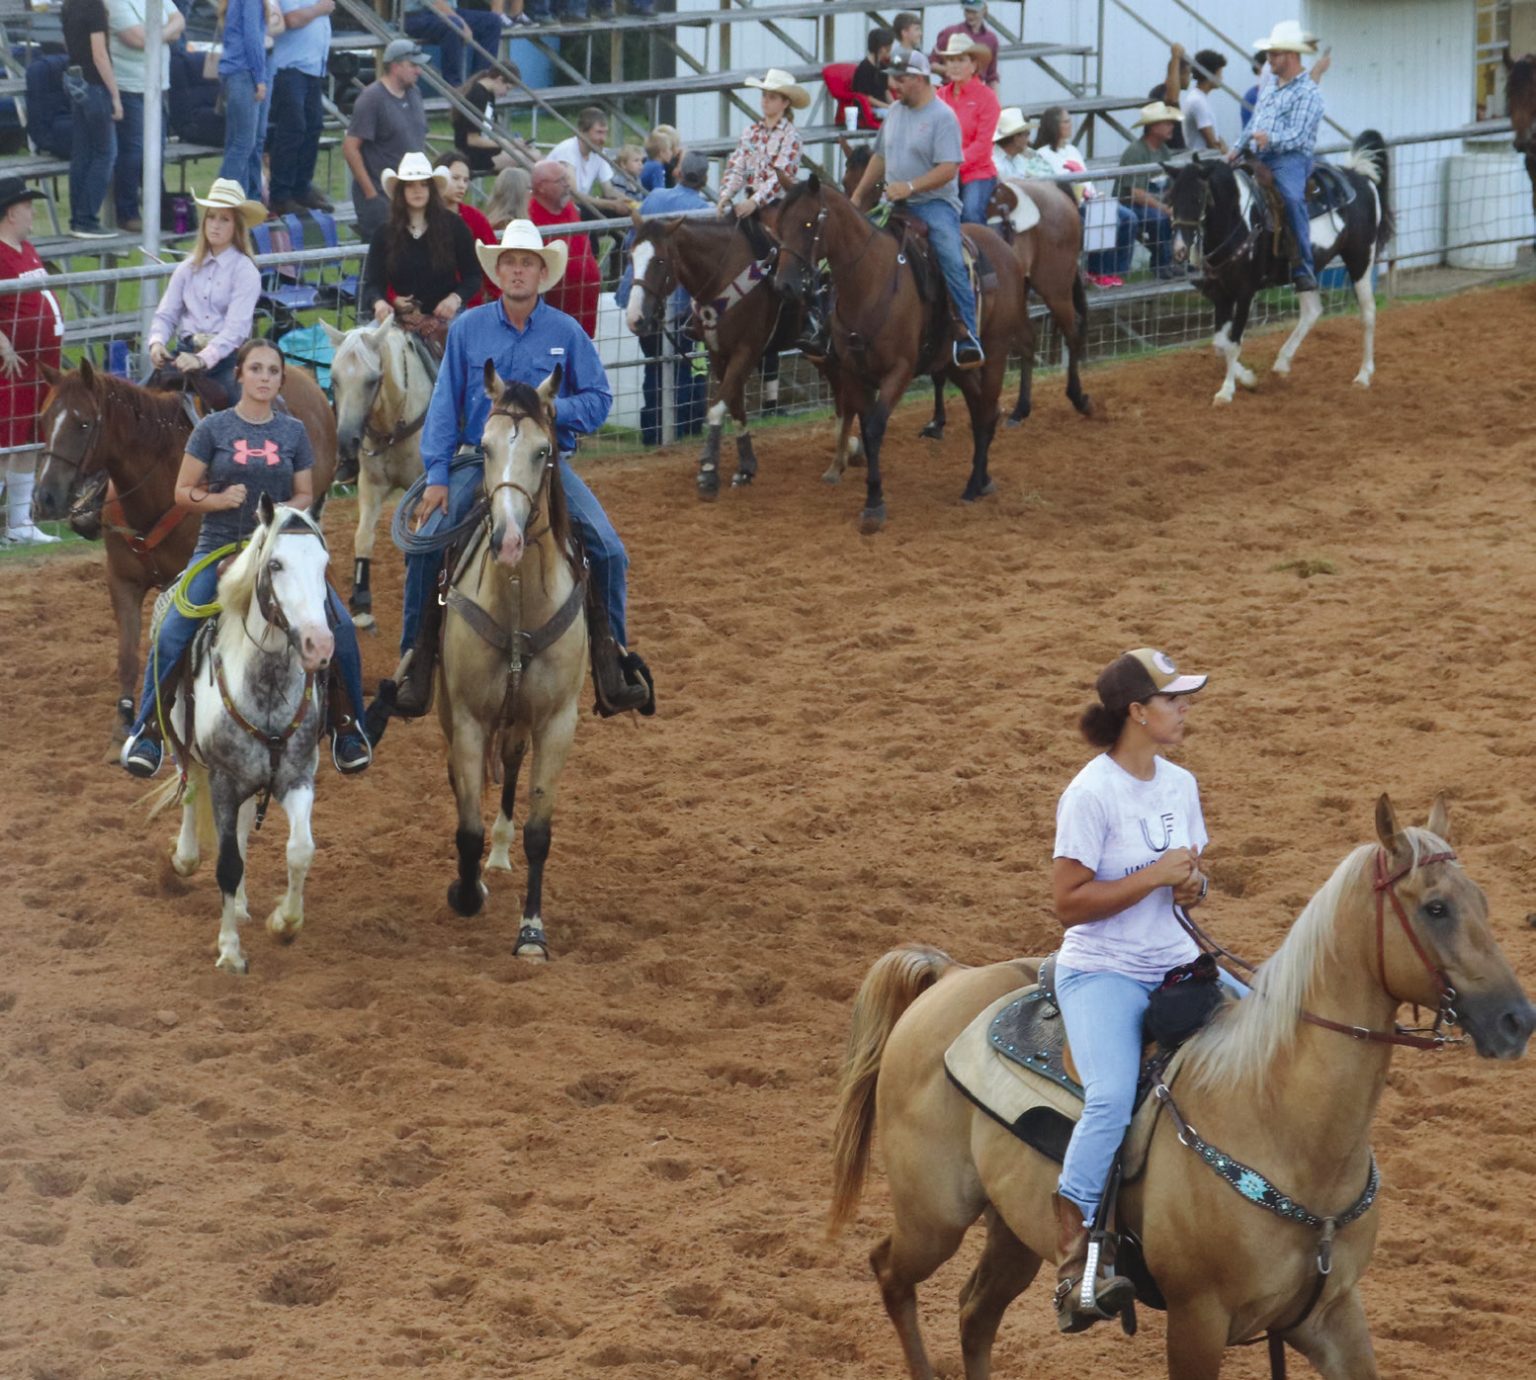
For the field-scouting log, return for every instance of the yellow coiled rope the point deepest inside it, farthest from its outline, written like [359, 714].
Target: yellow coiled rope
[184, 606]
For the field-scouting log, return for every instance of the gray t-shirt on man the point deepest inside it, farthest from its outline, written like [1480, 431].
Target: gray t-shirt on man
[389, 127]
[914, 142]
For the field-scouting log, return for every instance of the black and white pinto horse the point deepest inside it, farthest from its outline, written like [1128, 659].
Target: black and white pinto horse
[1222, 227]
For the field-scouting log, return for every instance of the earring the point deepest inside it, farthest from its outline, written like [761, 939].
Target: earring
[1142, 722]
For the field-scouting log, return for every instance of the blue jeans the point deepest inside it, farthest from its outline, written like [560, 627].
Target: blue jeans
[426, 26]
[295, 115]
[974, 197]
[129, 175]
[943, 223]
[243, 122]
[1291, 170]
[690, 398]
[93, 152]
[1154, 229]
[1116, 262]
[607, 561]
[1103, 1013]
[177, 632]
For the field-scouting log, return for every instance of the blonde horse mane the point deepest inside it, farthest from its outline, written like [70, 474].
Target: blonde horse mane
[237, 585]
[1239, 1048]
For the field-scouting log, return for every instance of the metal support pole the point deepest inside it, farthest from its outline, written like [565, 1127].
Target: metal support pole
[154, 133]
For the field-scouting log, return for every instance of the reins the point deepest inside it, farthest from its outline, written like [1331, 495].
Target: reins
[402, 430]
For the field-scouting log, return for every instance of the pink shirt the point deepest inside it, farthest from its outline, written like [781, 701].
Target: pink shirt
[216, 298]
[975, 106]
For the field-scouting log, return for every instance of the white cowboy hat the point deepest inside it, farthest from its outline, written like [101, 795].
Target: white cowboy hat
[1288, 37]
[524, 234]
[961, 46]
[414, 167]
[1010, 122]
[782, 84]
[1156, 113]
[228, 195]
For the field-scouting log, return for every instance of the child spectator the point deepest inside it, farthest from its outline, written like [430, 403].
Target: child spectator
[627, 166]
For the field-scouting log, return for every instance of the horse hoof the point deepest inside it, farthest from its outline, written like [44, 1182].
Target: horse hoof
[1013, 421]
[1281, 367]
[1362, 380]
[466, 905]
[1222, 399]
[282, 928]
[531, 953]
[934, 431]
[364, 622]
[832, 476]
[184, 867]
[871, 520]
[985, 491]
[532, 944]
[709, 485]
[741, 479]
[238, 964]
[1084, 406]
[499, 861]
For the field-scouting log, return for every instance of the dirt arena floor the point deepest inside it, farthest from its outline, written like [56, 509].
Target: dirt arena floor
[393, 1149]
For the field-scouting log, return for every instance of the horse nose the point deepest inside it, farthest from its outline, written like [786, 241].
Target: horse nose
[317, 646]
[1516, 1025]
[507, 542]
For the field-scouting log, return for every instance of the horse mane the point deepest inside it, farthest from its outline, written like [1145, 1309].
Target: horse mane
[147, 408]
[1245, 1040]
[237, 585]
[521, 401]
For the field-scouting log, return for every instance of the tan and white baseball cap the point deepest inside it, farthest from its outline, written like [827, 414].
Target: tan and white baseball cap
[1135, 676]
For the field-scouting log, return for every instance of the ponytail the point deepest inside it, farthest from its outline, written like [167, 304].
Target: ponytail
[1101, 726]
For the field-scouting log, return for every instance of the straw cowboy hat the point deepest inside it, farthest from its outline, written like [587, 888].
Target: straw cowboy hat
[1011, 121]
[961, 46]
[782, 84]
[1157, 113]
[1288, 37]
[524, 234]
[228, 195]
[414, 167]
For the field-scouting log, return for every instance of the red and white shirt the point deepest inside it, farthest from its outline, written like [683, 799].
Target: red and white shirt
[759, 157]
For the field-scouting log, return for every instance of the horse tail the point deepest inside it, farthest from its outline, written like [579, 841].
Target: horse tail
[169, 793]
[1368, 156]
[895, 981]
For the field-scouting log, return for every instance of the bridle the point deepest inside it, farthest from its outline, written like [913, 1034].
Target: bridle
[80, 466]
[1232, 248]
[402, 430]
[535, 499]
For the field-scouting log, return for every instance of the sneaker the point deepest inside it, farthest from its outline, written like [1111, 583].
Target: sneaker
[1305, 282]
[80, 232]
[141, 756]
[287, 207]
[28, 535]
[351, 753]
[968, 353]
[132, 225]
[315, 200]
[1105, 280]
[520, 21]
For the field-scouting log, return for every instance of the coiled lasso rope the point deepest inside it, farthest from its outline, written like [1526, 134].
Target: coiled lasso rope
[421, 544]
[187, 609]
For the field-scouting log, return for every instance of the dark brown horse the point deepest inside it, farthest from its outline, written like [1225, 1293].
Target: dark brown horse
[886, 327]
[95, 423]
[1521, 88]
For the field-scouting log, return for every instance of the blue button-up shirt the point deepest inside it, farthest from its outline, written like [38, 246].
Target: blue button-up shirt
[456, 415]
[664, 201]
[1289, 114]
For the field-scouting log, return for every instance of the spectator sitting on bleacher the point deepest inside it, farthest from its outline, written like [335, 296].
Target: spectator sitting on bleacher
[243, 84]
[974, 28]
[509, 197]
[94, 110]
[766, 148]
[208, 309]
[908, 28]
[1012, 153]
[421, 265]
[193, 105]
[133, 81]
[592, 174]
[455, 190]
[663, 151]
[627, 164]
[868, 78]
[474, 136]
[388, 122]
[446, 27]
[31, 330]
[1150, 221]
[577, 293]
[298, 66]
[1053, 144]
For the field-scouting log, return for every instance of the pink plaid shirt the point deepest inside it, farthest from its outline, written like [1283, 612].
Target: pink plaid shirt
[759, 155]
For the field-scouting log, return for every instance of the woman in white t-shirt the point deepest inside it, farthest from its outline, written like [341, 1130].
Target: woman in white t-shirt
[1129, 834]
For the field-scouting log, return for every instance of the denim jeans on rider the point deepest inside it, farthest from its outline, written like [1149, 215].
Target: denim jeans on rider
[974, 197]
[1103, 1013]
[296, 122]
[92, 156]
[242, 136]
[1291, 171]
[427, 26]
[943, 223]
[607, 560]
[177, 632]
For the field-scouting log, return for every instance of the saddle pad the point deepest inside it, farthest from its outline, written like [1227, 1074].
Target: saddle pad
[1009, 1062]
[1026, 214]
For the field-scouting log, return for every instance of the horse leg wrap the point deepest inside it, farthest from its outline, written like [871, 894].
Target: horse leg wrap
[746, 460]
[362, 595]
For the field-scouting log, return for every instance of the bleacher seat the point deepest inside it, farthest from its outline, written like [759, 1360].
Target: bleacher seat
[838, 79]
[284, 293]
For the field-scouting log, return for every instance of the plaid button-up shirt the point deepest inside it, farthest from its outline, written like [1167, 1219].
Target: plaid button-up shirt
[1289, 114]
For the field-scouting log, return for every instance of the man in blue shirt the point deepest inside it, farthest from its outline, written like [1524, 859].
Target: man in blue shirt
[692, 389]
[525, 339]
[1283, 135]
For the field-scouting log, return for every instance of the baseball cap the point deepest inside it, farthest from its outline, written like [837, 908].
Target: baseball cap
[405, 50]
[693, 170]
[1135, 676]
[907, 64]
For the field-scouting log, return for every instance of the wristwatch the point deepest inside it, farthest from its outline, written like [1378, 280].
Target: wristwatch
[1205, 886]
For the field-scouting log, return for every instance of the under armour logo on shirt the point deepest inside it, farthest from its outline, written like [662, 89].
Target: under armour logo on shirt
[246, 454]
[1166, 821]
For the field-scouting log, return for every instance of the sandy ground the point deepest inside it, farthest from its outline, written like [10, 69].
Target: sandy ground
[393, 1148]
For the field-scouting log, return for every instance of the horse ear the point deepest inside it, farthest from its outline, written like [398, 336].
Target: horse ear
[550, 388]
[51, 374]
[494, 387]
[331, 333]
[1387, 832]
[87, 374]
[1440, 818]
[813, 183]
[266, 510]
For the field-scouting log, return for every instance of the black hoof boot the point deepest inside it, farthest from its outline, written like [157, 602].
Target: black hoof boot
[709, 481]
[934, 431]
[872, 519]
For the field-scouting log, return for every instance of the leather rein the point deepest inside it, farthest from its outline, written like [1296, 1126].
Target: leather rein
[1232, 249]
[402, 430]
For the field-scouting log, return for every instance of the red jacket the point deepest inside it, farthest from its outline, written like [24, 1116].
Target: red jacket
[577, 292]
[975, 106]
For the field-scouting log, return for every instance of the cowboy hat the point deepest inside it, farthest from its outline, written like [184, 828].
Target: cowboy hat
[782, 84]
[1288, 37]
[228, 195]
[961, 46]
[524, 234]
[414, 167]
[12, 190]
[1010, 122]
[1157, 113]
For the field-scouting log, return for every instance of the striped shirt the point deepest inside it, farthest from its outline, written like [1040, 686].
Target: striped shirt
[1289, 114]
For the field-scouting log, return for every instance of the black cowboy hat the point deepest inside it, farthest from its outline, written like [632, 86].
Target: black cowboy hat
[12, 190]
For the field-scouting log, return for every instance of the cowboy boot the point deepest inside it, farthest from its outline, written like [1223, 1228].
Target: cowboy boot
[414, 696]
[620, 679]
[1112, 1293]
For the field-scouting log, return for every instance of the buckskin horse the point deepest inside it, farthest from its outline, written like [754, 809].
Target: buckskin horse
[96, 425]
[1222, 226]
[514, 650]
[1520, 86]
[1283, 1088]
[886, 326]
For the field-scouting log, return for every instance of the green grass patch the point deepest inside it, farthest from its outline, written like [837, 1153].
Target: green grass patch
[1306, 567]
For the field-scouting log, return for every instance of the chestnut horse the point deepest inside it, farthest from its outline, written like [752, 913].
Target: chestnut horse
[884, 330]
[1521, 89]
[1275, 1083]
[93, 424]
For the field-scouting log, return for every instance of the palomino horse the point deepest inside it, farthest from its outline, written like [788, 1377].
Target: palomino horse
[256, 717]
[515, 656]
[1221, 227]
[884, 330]
[1048, 247]
[1520, 86]
[94, 424]
[1275, 1084]
[382, 389]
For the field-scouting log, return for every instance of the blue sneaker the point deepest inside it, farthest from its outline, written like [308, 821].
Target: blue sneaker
[351, 753]
[141, 756]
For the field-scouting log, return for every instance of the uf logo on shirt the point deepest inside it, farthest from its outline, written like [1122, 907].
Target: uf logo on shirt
[246, 454]
[1165, 823]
